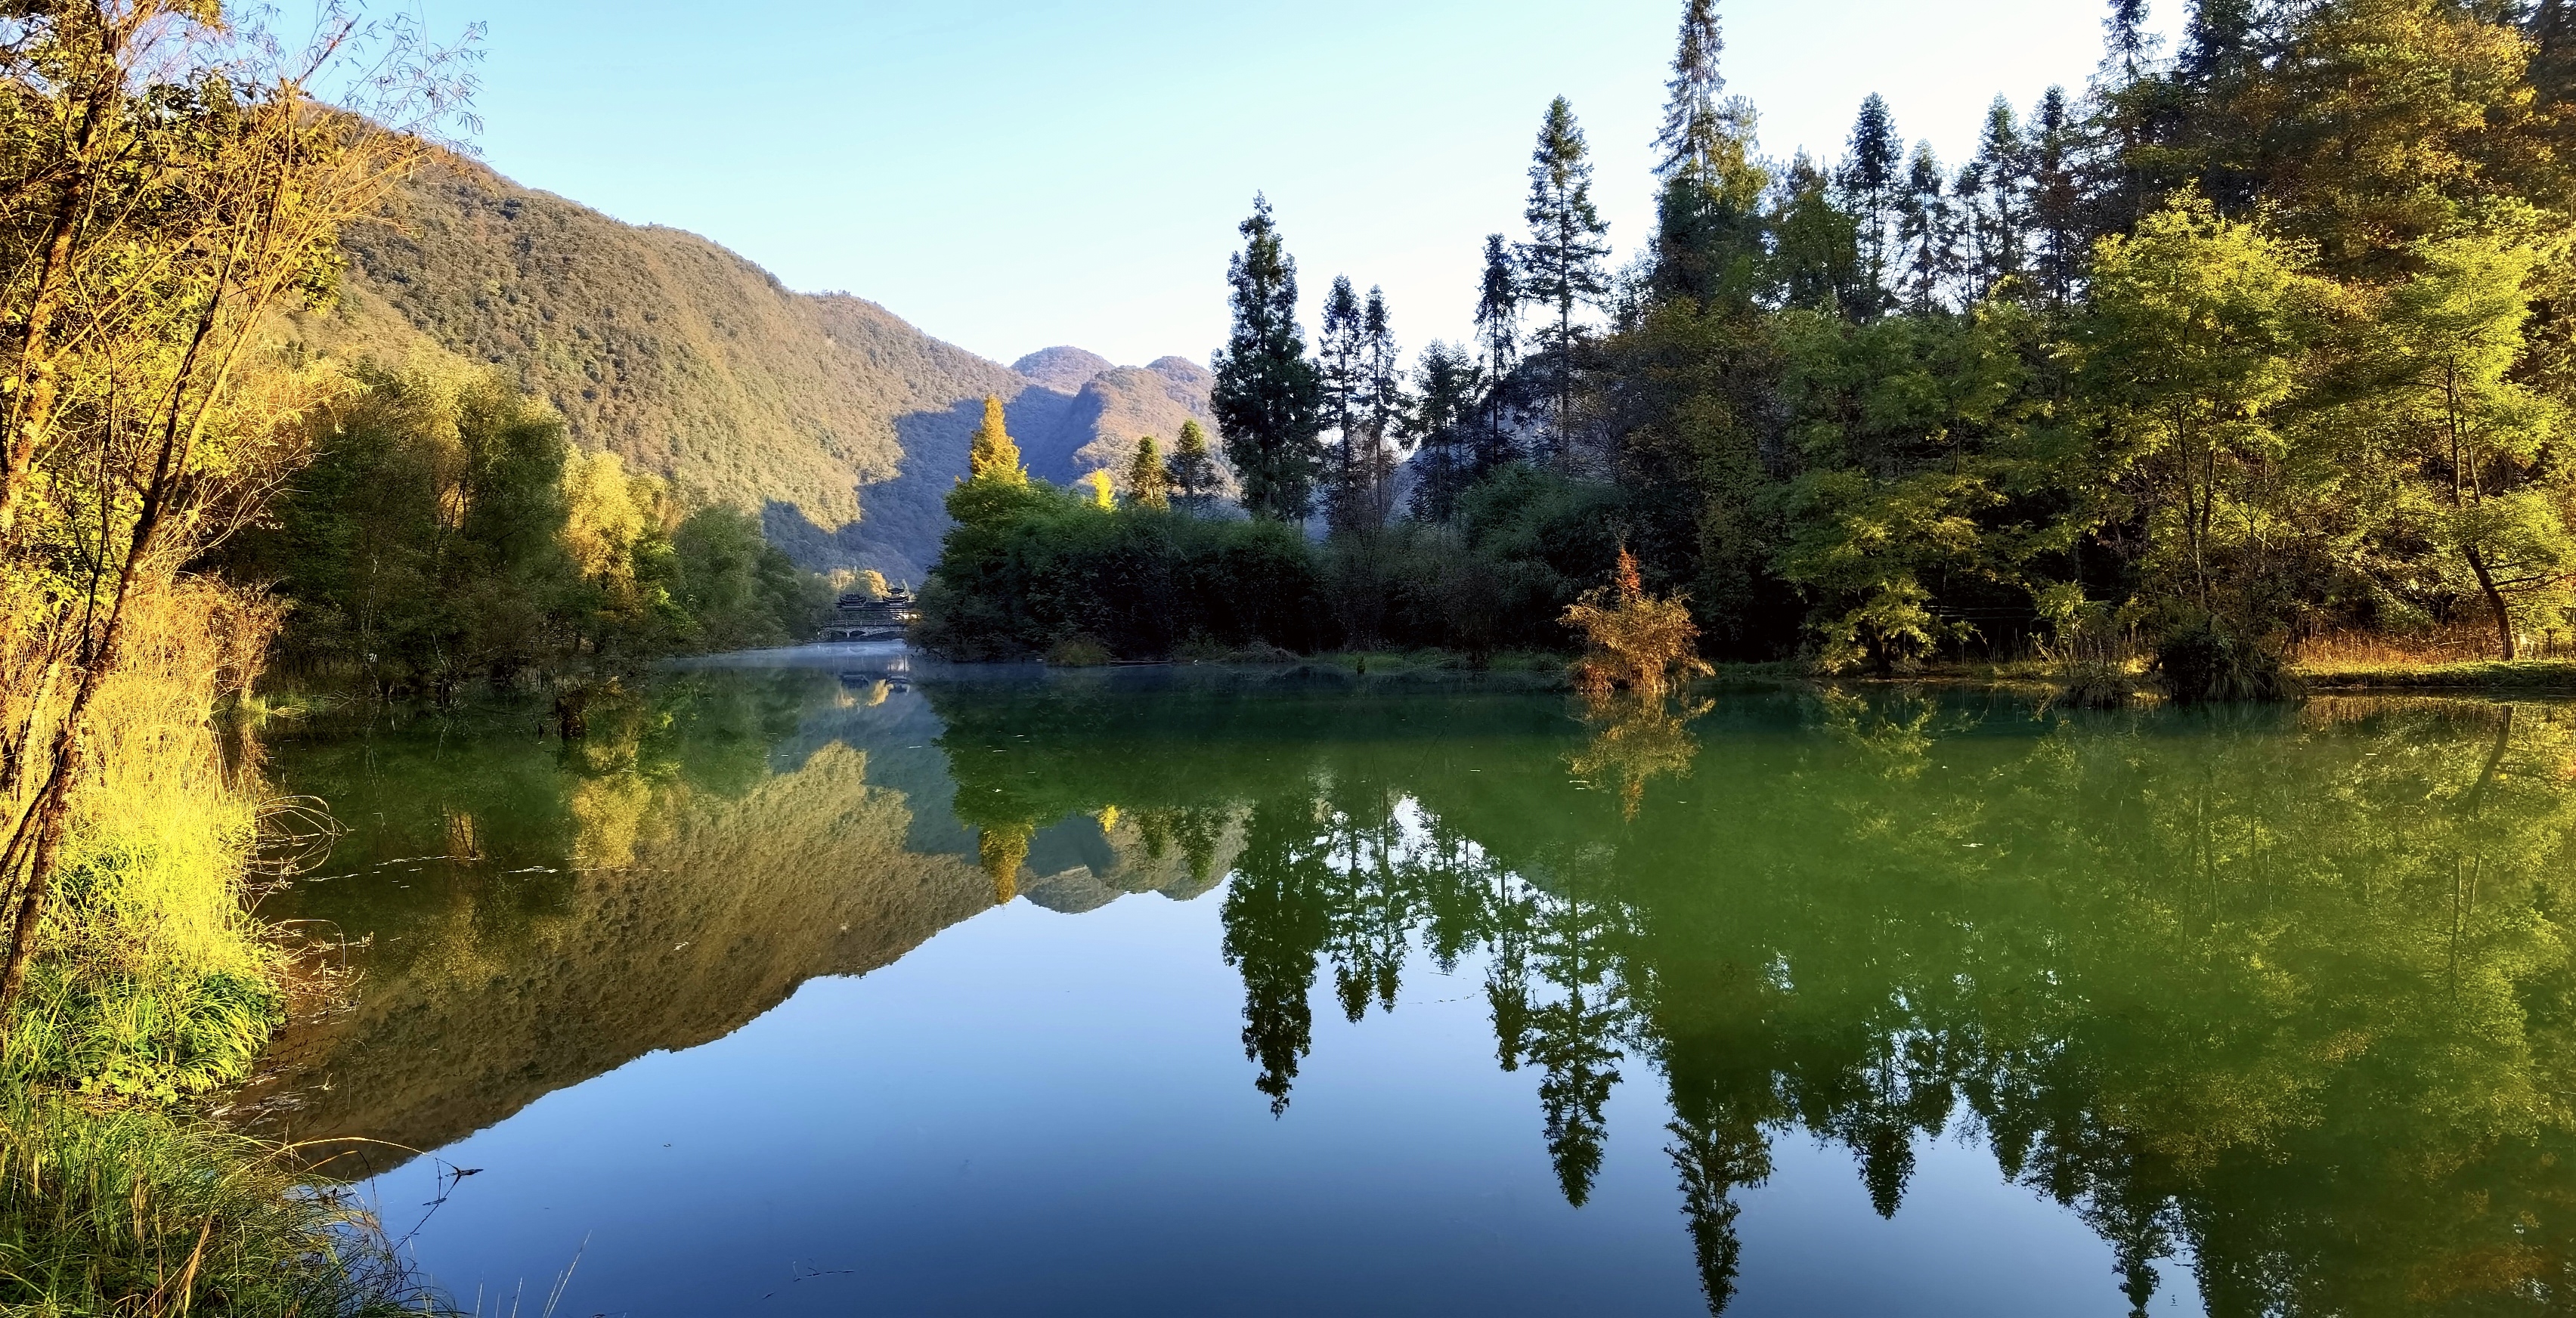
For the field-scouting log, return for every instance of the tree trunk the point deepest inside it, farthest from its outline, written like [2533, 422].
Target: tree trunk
[2495, 602]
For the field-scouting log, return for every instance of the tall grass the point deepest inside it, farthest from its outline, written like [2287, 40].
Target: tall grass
[151, 978]
[127, 1210]
[152, 982]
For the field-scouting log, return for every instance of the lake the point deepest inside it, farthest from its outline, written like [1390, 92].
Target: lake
[835, 987]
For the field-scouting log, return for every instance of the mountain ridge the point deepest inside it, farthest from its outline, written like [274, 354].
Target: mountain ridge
[839, 422]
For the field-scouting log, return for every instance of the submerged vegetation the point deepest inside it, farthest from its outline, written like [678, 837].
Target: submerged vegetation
[2251, 341]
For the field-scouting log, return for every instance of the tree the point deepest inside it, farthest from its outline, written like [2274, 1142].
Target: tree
[1873, 177]
[1999, 208]
[1383, 405]
[2199, 332]
[1498, 337]
[1696, 134]
[1924, 234]
[1561, 264]
[1192, 470]
[992, 455]
[1148, 484]
[1443, 424]
[2478, 439]
[1266, 395]
[180, 187]
[1708, 216]
[1341, 359]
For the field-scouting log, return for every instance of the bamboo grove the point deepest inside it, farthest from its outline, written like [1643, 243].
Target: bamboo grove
[2255, 339]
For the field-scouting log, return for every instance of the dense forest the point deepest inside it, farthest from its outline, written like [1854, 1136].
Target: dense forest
[2254, 340]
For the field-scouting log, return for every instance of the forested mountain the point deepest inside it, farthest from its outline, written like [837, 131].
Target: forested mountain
[839, 422]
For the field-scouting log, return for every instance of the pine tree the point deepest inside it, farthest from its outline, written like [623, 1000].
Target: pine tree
[992, 454]
[1816, 261]
[1266, 393]
[1924, 234]
[1999, 215]
[1695, 131]
[1708, 239]
[1386, 403]
[1561, 264]
[2056, 200]
[1498, 338]
[1148, 484]
[1340, 356]
[1872, 176]
[1192, 469]
[1443, 425]
[2130, 48]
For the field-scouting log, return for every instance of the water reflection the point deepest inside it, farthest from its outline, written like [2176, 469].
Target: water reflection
[2278, 1002]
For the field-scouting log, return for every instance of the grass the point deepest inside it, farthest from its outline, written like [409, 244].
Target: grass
[118, 1209]
[153, 983]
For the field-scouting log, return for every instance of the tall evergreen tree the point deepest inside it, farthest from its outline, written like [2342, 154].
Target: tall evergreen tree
[1149, 484]
[1708, 240]
[1383, 417]
[1925, 238]
[1561, 264]
[2056, 200]
[1695, 130]
[1873, 177]
[1443, 425]
[1192, 469]
[1498, 338]
[1341, 362]
[1999, 211]
[1266, 394]
[1815, 258]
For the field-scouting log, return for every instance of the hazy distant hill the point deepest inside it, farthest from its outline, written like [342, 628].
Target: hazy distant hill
[842, 423]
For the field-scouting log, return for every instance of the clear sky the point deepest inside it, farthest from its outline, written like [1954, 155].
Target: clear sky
[1010, 174]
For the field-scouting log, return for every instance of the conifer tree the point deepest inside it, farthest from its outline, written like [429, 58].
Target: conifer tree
[1708, 232]
[1498, 338]
[1873, 175]
[2000, 210]
[2056, 200]
[1192, 469]
[1561, 264]
[1924, 233]
[1266, 394]
[1385, 404]
[992, 454]
[1695, 130]
[1443, 424]
[1340, 358]
[1148, 484]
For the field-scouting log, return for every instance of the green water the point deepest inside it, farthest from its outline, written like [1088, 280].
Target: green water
[1145, 994]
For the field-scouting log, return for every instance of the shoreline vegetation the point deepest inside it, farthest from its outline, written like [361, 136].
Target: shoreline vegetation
[2258, 343]
[2181, 383]
[194, 501]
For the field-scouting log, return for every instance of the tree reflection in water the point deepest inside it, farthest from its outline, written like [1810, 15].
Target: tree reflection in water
[2285, 994]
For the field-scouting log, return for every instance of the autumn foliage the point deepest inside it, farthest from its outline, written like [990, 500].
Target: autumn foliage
[1634, 641]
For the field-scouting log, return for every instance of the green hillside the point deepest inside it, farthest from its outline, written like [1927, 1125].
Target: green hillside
[840, 423]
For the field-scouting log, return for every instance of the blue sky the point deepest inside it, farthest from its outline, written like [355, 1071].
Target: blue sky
[1010, 175]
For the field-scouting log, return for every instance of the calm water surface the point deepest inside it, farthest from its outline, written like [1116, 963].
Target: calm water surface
[806, 991]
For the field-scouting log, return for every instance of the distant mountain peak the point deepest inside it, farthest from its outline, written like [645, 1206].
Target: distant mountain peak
[1063, 368]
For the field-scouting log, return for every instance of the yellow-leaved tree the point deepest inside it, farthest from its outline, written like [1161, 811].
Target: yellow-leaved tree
[993, 454]
[1637, 642]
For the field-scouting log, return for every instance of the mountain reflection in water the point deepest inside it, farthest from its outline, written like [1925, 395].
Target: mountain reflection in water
[2277, 1002]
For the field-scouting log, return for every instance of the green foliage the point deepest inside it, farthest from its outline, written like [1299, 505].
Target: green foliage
[446, 532]
[126, 1210]
[1031, 566]
[1268, 394]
